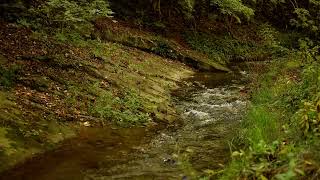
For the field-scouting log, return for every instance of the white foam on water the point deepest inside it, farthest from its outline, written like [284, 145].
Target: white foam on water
[197, 114]
[238, 102]
[213, 106]
[207, 121]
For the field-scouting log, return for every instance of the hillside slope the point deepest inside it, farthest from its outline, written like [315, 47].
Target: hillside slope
[49, 89]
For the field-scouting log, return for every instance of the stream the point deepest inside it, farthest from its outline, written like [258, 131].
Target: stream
[210, 108]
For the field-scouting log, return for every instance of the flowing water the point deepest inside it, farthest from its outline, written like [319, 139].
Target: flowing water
[210, 109]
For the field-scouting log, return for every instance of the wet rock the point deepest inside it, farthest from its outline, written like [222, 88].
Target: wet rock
[86, 124]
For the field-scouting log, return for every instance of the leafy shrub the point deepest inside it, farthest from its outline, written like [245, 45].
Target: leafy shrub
[268, 35]
[260, 162]
[308, 118]
[234, 8]
[67, 14]
[305, 21]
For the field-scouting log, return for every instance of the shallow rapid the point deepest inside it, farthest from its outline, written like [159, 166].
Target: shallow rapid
[211, 106]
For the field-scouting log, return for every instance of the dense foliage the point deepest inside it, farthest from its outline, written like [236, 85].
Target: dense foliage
[303, 16]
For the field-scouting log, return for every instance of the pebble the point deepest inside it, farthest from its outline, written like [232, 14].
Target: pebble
[87, 124]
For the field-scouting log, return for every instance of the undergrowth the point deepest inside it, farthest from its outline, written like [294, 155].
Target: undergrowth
[124, 110]
[279, 137]
[225, 48]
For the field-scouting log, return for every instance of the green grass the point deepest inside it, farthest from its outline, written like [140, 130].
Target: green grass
[279, 135]
[261, 125]
[124, 110]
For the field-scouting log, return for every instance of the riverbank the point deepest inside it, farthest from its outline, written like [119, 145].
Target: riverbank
[279, 137]
[51, 89]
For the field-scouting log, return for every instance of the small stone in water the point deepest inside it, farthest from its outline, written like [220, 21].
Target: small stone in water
[86, 124]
